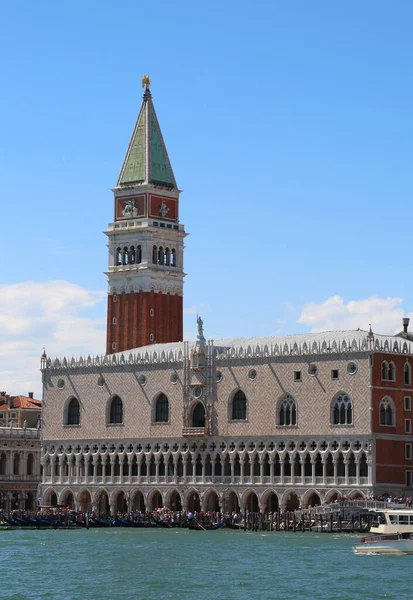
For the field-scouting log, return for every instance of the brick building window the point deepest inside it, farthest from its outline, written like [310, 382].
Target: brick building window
[162, 409]
[408, 451]
[239, 407]
[342, 410]
[407, 374]
[387, 412]
[287, 412]
[407, 403]
[408, 478]
[388, 371]
[297, 375]
[334, 373]
[116, 411]
[407, 425]
[73, 412]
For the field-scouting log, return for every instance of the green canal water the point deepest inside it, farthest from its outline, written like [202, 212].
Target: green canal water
[181, 564]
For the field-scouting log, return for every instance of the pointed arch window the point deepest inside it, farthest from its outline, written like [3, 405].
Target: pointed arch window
[173, 257]
[239, 407]
[287, 412]
[167, 256]
[392, 371]
[407, 374]
[155, 255]
[138, 255]
[384, 370]
[342, 410]
[132, 255]
[73, 412]
[387, 413]
[116, 411]
[162, 409]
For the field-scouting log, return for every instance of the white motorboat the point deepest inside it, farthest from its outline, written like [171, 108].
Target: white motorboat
[392, 521]
[401, 543]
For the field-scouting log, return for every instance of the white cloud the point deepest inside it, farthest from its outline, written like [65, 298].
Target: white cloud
[50, 314]
[384, 314]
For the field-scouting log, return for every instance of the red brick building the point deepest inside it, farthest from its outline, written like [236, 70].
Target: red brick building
[392, 392]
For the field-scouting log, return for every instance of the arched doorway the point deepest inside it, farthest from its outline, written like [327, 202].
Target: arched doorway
[211, 501]
[155, 500]
[50, 498]
[332, 496]
[67, 500]
[85, 501]
[121, 506]
[311, 498]
[174, 501]
[103, 503]
[231, 503]
[251, 502]
[138, 502]
[194, 502]
[198, 415]
[356, 495]
[292, 502]
[271, 503]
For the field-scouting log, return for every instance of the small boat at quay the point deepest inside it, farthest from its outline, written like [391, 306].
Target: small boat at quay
[393, 543]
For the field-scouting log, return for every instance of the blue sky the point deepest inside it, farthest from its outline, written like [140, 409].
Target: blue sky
[289, 129]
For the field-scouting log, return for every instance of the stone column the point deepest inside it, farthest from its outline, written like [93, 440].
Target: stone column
[121, 461]
[184, 466]
[282, 469]
[241, 461]
[213, 470]
[104, 458]
[302, 463]
[292, 467]
[369, 469]
[78, 461]
[324, 460]
[157, 469]
[139, 460]
[346, 470]
[69, 468]
[95, 459]
[357, 459]
[52, 466]
[112, 468]
[131, 456]
[176, 458]
[203, 469]
[313, 463]
[61, 463]
[231, 462]
[335, 469]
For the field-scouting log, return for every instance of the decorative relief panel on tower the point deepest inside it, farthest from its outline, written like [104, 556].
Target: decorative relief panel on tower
[162, 207]
[132, 207]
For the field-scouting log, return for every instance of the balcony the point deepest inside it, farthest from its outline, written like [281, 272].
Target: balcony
[195, 432]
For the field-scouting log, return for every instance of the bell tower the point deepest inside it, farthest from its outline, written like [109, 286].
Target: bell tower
[146, 243]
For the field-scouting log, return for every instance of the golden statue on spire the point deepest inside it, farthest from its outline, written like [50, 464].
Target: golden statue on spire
[146, 82]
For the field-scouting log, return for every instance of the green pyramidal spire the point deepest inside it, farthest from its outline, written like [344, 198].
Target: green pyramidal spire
[147, 161]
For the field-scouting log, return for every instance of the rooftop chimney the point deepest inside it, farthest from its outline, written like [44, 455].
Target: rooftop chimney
[406, 322]
[30, 394]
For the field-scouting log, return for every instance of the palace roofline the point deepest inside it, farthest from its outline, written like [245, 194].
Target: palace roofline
[326, 342]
